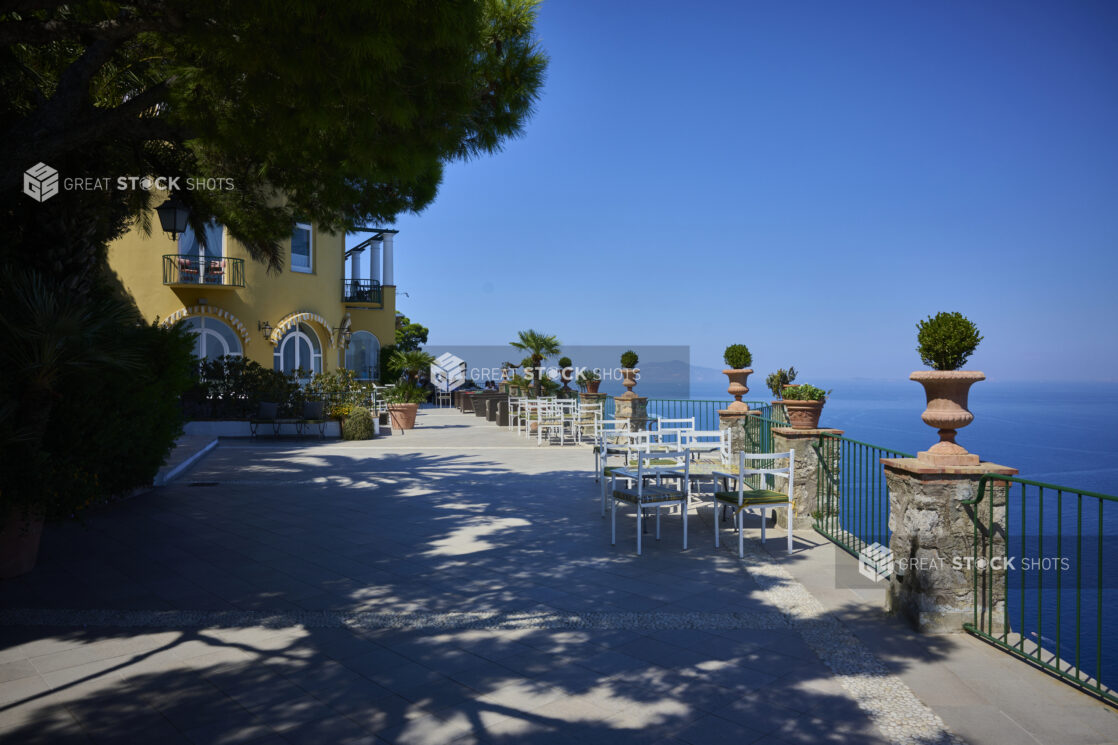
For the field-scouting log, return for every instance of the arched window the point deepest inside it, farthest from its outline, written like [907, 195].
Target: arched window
[212, 338]
[299, 349]
[363, 355]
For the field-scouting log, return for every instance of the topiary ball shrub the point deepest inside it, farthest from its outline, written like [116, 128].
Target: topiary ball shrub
[358, 425]
[946, 340]
[629, 360]
[565, 362]
[737, 356]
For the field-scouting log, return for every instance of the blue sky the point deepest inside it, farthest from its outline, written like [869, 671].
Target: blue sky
[807, 178]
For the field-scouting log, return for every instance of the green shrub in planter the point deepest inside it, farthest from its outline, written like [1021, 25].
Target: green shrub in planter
[629, 360]
[358, 425]
[564, 363]
[737, 357]
[777, 380]
[946, 340]
[805, 392]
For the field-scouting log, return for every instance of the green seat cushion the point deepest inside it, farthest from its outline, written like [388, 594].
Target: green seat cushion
[758, 496]
[651, 495]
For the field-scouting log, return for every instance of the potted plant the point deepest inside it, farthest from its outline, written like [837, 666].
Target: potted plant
[539, 347]
[589, 380]
[804, 404]
[565, 372]
[738, 359]
[779, 380]
[944, 342]
[403, 404]
[629, 360]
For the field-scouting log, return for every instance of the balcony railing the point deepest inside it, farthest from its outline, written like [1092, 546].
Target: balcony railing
[206, 270]
[365, 291]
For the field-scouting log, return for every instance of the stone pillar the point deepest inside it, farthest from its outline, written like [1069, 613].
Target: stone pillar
[389, 271]
[502, 412]
[734, 422]
[933, 543]
[811, 456]
[634, 408]
[355, 266]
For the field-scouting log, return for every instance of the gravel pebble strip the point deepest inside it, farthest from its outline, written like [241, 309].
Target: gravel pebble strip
[895, 710]
[360, 620]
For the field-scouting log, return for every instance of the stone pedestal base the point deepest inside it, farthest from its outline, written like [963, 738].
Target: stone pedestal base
[933, 542]
[805, 443]
[734, 422]
[634, 409]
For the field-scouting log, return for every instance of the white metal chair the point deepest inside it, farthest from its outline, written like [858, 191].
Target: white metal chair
[761, 495]
[644, 495]
[555, 416]
[700, 441]
[618, 443]
[670, 431]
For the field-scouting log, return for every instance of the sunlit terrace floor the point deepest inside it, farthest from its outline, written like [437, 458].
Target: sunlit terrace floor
[456, 585]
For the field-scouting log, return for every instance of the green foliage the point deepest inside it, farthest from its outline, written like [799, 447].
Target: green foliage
[358, 424]
[361, 123]
[341, 391]
[233, 387]
[410, 363]
[805, 392]
[629, 359]
[565, 362]
[737, 356]
[588, 374]
[88, 400]
[946, 340]
[777, 380]
[405, 393]
[409, 336]
[539, 346]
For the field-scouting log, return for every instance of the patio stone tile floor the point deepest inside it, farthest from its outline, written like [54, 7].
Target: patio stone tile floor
[456, 585]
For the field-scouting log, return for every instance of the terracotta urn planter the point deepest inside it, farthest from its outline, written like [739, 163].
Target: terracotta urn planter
[592, 386]
[565, 375]
[738, 387]
[19, 543]
[629, 379]
[802, 414]
[947, 392]
[403, 415]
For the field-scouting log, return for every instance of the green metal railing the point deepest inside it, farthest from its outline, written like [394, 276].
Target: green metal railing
[1041, 577]
[852, 509]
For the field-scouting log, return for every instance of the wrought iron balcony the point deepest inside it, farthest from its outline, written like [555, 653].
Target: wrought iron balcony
[362, 291]
[211, 272]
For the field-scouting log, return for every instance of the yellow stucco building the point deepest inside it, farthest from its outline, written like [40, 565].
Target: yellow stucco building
[328, 308]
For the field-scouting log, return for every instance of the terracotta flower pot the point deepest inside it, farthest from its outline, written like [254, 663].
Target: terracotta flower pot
[629, 379]
[19, 542]
[803, 414]
[947, 392]
[738, 388]
[403, 415]
[592, 386]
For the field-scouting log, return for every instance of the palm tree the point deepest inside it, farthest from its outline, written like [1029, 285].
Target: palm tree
[410, 363]
[539, 346]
